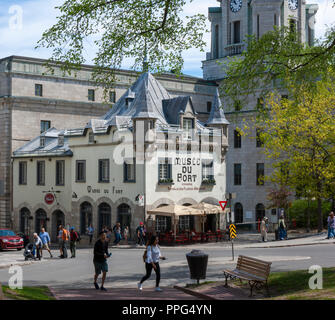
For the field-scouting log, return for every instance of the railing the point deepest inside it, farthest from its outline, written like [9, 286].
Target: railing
[234, 49]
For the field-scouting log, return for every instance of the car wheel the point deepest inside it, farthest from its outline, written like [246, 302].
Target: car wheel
[19, 249]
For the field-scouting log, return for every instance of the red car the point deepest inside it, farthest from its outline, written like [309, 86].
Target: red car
[9, 240]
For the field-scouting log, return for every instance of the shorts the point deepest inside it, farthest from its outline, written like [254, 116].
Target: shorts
[100, 267]
[45, 246]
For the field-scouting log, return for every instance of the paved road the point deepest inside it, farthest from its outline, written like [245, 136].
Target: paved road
[126, 266]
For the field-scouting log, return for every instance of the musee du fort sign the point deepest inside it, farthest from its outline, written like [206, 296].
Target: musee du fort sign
[186, 170]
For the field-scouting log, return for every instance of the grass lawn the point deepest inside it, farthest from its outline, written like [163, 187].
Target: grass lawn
[293, 285]
[28, 293]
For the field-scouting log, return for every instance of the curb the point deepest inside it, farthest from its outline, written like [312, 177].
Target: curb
[290, 245]
[194, 293]
[20, 264]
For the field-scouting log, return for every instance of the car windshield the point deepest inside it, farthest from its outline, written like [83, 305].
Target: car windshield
[6, 233]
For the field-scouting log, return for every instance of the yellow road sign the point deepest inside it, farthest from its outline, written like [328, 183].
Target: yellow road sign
[232, 230]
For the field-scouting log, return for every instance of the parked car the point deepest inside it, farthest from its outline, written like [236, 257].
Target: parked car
[9, 240]
[24, 237]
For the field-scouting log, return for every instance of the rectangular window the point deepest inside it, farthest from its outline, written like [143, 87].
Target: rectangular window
[260, 174]
[38, 90]
[237, 174]
[104, 170]
[209, 106]
[275, 20]
[91, 95]
[259, 142]
[237, 105]
[81, 171]
[237, 32]
[60, 173]
[129, 171]
[45, 125]
[237, 140]
[184, 223]
[164, 170]
[260, 104]
[22, 172]
[207, 170]
[40, 173]
[188, 126]
[91, 137]
[161, 224]
[112, 96]
[258, 27]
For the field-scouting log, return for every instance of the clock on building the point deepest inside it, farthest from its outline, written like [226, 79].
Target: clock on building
[293, 4]
[235, 5]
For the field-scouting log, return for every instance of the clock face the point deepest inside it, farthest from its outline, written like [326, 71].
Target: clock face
[235, 5]
[293, 4]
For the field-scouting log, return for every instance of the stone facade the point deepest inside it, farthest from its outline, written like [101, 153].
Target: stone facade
[64, 102]
[254, 17]
[141, 130]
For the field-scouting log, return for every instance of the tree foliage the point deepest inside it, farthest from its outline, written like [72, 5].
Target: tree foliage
[154, 30]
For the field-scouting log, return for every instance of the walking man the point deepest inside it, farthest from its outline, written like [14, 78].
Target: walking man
[45, 238]
[140, 234]
[264, 229]
[100, 260]
[64, 237]
[90, 232]
[73, 242]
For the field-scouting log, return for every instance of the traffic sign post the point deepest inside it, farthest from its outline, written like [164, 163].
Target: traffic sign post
[232, 234]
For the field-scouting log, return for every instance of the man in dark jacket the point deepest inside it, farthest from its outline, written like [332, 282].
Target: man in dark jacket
[100, 260]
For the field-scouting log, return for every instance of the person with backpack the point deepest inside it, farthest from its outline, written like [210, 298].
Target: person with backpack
[151, 258]
[140, 234]
[117, 233]
[74, 238]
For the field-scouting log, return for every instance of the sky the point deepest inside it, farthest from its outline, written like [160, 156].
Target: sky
[18, 38]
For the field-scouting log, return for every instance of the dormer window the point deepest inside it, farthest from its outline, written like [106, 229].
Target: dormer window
[129, 101]
[91, 137]
[61, 140]
[188, 126]
[42, 142]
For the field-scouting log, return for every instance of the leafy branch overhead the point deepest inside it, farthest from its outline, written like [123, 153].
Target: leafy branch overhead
[278, 59]
[123, 29]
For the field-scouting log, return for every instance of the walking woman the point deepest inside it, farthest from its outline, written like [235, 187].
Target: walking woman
[152, 256]
[282, 228]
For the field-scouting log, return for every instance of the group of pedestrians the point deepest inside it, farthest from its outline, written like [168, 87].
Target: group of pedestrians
[264, 228]
[151, 258]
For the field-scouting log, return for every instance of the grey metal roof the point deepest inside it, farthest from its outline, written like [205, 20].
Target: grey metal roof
[51, 146]
[217, 115]
[173, 107]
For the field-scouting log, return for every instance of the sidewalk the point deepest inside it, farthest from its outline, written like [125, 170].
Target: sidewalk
[120, 294]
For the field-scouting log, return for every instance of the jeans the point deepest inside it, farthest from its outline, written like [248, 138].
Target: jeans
[331, 232]
[148, 268]
[282, 233]
[140, 240]
[117, 238]
[73, 246]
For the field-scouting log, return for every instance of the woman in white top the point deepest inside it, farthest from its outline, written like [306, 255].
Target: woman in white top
[152, 261]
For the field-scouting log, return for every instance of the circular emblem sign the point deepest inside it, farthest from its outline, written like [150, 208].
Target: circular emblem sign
[49, 198]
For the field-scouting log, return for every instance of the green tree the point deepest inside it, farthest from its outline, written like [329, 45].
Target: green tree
[154, 31]
[299, 136]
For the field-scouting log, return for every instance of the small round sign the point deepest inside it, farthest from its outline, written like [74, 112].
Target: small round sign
[49, 198]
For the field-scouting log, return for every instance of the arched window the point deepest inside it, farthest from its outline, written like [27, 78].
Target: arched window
[260, 211]
[105, 215]
[238, 210]
[24, 221]
[85, 216]
[40, 220]
[124, 215]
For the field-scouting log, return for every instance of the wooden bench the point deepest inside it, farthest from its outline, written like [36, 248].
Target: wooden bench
[255, 271]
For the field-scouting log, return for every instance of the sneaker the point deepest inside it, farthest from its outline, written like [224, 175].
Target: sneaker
[96, 286]
[158, 289]
[139, 286]
[103, 288]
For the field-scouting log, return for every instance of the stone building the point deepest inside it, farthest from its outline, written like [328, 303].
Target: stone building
[32, 100]
[151, 145]
[231, 22]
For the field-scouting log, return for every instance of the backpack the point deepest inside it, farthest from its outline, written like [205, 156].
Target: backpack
[78, 236]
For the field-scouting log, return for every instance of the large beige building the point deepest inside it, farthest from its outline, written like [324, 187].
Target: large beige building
[231, 22]
[150, 144]
[33, 100]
